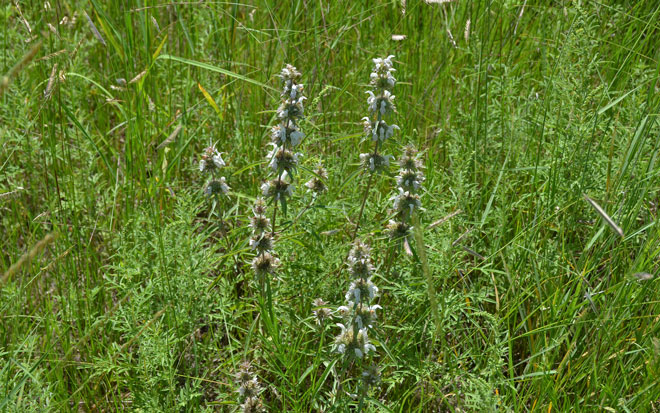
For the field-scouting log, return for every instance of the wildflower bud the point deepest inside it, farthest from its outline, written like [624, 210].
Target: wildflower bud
[259, 224]
[265, 264]
[321, 312]
[283, 160]
[398, 229]
[277, 188]
[374, 162]
[244, 373]
[316, 184]
[261, 242]
[217, 187]
[406, 202]
[410, 179]
[259, 207]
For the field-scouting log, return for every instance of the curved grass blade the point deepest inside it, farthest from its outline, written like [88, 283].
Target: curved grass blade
[217, 69]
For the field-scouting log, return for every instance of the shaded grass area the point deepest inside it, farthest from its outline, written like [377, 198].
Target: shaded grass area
[146, 300]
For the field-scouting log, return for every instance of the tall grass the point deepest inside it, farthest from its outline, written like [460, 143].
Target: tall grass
[141, 301]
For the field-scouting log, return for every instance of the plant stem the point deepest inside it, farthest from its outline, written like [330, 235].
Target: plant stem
[421, 253]
[272, 233]
[366, 194]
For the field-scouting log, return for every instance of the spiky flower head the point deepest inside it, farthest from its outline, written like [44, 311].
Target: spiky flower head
[252, 405]
[383, 65]
[292, 109]
[259, 206]
[361, 289]
[352, 345]
[244, 373]
[261, 242]
[378, 130]
[259, 223]
[374, 162]
[383, 103]
[359, 261]
[410, 179]
[290, 75]
[410, 159]
[398, 229]
[381, 77]
[277, 188]
[250, 388]
[211, 160]
[265, 264]
[317, 184]
[321, 311]
[217, 187]
[406, 202]
[282, 159]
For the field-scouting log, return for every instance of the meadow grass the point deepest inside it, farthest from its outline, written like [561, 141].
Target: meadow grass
[124, 287]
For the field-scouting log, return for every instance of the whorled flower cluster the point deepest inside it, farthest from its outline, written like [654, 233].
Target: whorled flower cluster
[264, 264]
[317, 183]
[321, 311]
[381, 105]
[285, 136]
[249, 389]
[211, 163]
[407, 201]
[359, 315]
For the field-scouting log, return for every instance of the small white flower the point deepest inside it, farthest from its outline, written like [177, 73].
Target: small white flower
[211, 160]
[383, 103]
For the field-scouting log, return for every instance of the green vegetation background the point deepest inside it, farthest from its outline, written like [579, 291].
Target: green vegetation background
[144, 302]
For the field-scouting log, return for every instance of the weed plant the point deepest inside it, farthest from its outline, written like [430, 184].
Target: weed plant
[126, 273]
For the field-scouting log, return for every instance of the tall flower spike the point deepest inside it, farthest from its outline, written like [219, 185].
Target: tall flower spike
[285, 136]
[248, 389]
[264, 264]
[358, 315]
[407, 201]
[380, 103]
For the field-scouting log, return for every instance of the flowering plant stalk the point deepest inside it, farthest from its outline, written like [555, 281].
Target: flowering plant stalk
[249, 389]
[359, 314]
[406, 202]
[406, 206]
[380, 105]
[211, 163]
[285, 136]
